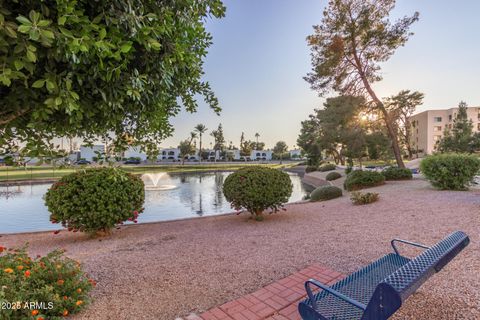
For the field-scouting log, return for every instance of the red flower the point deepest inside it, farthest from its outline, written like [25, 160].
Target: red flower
[2, 248]
[27, 274]
[56, 232]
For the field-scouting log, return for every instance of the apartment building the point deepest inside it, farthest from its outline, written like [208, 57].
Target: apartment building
[427, 127]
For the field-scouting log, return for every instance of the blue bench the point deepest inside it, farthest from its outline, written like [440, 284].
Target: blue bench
[378, 290]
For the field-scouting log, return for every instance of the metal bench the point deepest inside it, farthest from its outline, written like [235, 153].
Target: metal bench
[378, 290]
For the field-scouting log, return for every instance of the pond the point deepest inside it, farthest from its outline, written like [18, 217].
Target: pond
[167, 197]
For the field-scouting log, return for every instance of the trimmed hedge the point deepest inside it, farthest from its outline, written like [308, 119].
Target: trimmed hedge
[257, 189]
[450, 171]
[327, 167]
[333, 176]
[311, 169]
[359, 179]
[359, 198]
[325, 193]
[95, 200]
[395, 173]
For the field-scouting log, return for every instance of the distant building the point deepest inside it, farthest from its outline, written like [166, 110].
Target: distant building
[135, 152]
[169, 154]
[91, 153]
[295, 154]
[265, 155]
[427, 127]
[233, 154]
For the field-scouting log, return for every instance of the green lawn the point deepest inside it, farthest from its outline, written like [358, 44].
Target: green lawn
[43, 172]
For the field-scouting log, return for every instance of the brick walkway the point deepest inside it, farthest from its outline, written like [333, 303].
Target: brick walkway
[276, 301]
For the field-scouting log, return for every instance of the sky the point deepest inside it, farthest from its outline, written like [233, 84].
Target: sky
[259, 57]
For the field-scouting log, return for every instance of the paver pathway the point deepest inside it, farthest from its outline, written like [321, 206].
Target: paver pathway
[276, 301]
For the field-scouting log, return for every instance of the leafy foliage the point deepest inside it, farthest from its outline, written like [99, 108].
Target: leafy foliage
[360, 198]
[307, 141]
[354, 37]
[257, 189]
[325, 193]
[395, 173]
[92, 68]
[348, 169]
[53, 279]
[460, 138]
[219, 138]
[327, 167]
[186, 148]
[359, 179]
[450, 171]
[333, 176]
[311, 169]
[95, 199]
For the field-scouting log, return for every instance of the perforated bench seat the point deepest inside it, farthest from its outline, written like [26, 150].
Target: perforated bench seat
[377, 290]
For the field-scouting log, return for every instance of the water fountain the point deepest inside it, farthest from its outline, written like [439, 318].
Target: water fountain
[153, 179]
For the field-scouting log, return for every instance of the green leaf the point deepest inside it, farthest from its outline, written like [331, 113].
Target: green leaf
[34, 16]
[102, 34]
[58, 101]
[66, 32]
[31, 56]
[62, 20]
[38, 84]
[47, 34]
[126, 47]
[24, 20]
[18, 64]
[10, 32]
[43, 23]
[24, 29]
[34, 34]
[155, 44]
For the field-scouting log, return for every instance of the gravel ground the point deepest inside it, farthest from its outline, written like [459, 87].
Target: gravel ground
[164, 270]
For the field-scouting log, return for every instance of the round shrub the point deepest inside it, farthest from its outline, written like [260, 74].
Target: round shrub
[95, 200]
[395, 173]
[359, 179]
[450, 171]
[359, 198]
[333, 176]
[54, 280]
[311, 169]
[325, 193]
[257, 189]
[327, 167]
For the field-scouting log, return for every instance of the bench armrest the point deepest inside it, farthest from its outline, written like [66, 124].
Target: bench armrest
[331, 291]
[406, 242]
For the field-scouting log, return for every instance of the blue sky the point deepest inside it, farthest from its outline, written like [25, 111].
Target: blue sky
[259, 57]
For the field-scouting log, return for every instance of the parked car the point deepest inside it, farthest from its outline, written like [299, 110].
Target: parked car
[82, 162]
[132, 161]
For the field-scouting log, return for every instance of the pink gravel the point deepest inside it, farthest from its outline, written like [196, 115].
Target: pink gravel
[170, 269]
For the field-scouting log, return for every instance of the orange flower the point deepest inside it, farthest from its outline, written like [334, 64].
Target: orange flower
[20, 267]
[60, 282]
[40, 318]
[79, 290]
[8, 270]
[27, 273]
[34, 312]
[2, 249]
[65, 313]
[79, 302]
[65, 297]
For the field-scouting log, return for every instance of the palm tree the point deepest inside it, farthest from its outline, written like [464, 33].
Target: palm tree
[257, 135]
[200, 129]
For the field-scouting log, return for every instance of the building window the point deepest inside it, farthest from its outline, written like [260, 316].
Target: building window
[437, 119]
[450, 117]
[437, 138]
[437, 128]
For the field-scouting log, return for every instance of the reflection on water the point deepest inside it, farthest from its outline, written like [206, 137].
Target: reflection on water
[194, 194]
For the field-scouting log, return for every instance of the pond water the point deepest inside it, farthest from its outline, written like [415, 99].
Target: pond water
[167, 197]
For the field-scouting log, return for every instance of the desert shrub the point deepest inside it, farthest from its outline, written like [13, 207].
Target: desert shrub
[95, 200]
[55, 284]
[450, 171]
[257, 189]
[325, 193]
[311, 169]
[363, 198]
[327, 167]
[348, 170]
[395, 173]
[359, 179]
[333, 176]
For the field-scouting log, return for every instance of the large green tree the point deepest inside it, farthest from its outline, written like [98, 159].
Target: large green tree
[280, 149]
[100, 68]
[308, 140]
[460, 138]
[400, 108]
[353, 38]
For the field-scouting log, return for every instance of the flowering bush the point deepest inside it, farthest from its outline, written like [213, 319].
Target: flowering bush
[360, 198]
[49, 287]
[95, 200]
[257, 189]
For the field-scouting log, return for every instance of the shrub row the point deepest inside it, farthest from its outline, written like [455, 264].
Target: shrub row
[327, 167]
[359, 179]
[395, 173]
[333, 176]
